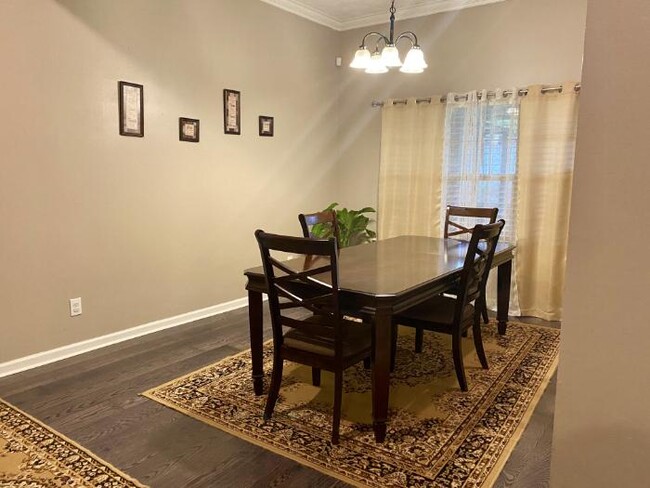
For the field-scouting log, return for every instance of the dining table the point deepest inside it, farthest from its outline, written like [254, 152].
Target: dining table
[380, 279]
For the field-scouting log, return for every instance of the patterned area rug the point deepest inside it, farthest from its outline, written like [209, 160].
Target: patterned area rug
[437, 435]
[33, 456]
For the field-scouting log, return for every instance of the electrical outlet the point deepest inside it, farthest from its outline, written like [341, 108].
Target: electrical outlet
[75, 307]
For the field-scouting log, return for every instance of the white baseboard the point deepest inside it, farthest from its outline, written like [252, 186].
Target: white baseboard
[53, 355]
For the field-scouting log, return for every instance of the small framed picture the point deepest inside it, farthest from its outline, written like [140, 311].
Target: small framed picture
[232, 112]
[266, 126]
[188, 129]
[131, 106]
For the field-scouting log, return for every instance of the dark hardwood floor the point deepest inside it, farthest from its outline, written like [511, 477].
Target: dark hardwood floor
[93, 399]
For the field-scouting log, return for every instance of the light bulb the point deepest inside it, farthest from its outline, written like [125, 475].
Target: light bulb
[376, 65]
[361, 59]
[390, 56]
[414, 61]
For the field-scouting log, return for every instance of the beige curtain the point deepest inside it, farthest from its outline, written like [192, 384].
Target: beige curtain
[547, 136]
[411, 169]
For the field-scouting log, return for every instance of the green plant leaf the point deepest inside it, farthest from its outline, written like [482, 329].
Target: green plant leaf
[353, 226]
[367, 210]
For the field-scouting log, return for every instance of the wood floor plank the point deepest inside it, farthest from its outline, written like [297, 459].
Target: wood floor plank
[94, 399]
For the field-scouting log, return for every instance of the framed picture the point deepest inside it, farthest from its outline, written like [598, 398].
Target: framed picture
[188, 129]
[266, 126]
[232, 112]
[131, 105]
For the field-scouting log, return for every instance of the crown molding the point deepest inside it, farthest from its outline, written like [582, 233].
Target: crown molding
[306, 12]
[418, 10]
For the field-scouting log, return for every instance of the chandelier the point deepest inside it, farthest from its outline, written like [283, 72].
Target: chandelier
[380, 62]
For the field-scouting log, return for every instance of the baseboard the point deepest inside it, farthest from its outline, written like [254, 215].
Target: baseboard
[53, 355]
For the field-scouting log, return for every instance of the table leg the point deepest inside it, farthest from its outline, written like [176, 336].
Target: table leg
[503, 294]
[381, 372]
[255, 322]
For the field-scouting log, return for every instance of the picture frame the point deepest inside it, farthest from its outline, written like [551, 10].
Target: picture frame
[232, 112]
[266, 126]
[131, 108]
[188, 129]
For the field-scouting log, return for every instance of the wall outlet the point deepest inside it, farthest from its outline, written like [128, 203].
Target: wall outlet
[338, 61]
[75, 307]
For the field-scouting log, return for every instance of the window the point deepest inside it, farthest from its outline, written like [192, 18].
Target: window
[480, 158]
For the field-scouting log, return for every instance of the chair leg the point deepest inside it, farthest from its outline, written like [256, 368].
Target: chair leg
[274, 390]
[457, 351]
[338, 397]
[315, 376]
[478, 341]
[393, 347]
[484, 311]
[419, 338]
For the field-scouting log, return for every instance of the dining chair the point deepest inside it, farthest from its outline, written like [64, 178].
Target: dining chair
[455, 315]
[459, 229]
[326, 218]
[323, 339]
[455, 227]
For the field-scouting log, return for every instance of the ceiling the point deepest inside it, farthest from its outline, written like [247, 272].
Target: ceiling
[346, 14]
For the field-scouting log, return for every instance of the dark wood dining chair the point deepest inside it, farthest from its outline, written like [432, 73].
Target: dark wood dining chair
[326, 218]
[456, 315]
[454, 228]
[324, 339]
[458, 229]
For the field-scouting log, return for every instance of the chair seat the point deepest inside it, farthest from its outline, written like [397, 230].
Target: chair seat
[437, 310]
[357, 340]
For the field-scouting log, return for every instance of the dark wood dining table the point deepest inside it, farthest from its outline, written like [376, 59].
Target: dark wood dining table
[381, 279]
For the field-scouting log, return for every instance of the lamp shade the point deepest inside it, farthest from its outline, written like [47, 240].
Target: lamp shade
[390, 56]
[361, 59]
[376, 65]
[414, 61]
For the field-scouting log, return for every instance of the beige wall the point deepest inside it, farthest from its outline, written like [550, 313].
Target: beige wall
[602, 428]
[144, 229]
[513, 43]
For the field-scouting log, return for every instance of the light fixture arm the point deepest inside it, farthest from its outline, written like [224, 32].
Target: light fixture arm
[410, 36]
[380, 35]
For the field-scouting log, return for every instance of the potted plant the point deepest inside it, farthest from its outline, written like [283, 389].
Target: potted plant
[353, 226]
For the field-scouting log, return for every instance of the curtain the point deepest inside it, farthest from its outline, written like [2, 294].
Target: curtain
[514, 153]
[410, 169]
[480, 163]
[547, 137]
[480, 155]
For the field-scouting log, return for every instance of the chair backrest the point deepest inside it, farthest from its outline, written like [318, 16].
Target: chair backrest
[299, 288]
[458, 227]
[478, 262]
[326, 218]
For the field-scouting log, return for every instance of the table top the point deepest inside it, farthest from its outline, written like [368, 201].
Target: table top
[394, 266]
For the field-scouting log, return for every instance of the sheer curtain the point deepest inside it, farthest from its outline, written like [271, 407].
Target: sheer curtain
[514, 153]
[411, 168]
[480, 162]
[547, 138]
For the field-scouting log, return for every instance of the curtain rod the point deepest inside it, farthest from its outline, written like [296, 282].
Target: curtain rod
[522, 92]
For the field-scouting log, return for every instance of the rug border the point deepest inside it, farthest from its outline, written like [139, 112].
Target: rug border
[487, 483]
[252, 440]
[302, 461]
[519, 431]
[75, 444]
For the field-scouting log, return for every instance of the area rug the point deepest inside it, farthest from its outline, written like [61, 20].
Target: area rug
[438, 436]
[33, 455]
